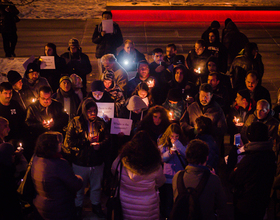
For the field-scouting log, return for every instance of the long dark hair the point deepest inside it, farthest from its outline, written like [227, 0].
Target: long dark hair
[141, 155]
[147, 122]
[144, 86]
[174, 127]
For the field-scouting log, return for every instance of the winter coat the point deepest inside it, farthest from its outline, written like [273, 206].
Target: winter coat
[53, 75]
[213, 157]
[132, 84]
[195, 61]
[212, 199]
[172, 163]
[76, 141]
[138, 193]
[253, 177]
[272, 124]
[8, 17]
[77, 63]
[36, 114]
[212, 111]
[33, 87]
[56, 186]
[234, 41]
[107, 43]
[132, 59]
[74, 100]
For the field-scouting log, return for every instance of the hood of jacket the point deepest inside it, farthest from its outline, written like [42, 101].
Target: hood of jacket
[259, 146]
[85, 103]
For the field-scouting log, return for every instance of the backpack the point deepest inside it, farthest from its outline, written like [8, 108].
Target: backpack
[186, 205]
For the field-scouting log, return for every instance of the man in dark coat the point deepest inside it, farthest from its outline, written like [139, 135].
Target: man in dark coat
[77, 62]
[253, 176]
[8, 19]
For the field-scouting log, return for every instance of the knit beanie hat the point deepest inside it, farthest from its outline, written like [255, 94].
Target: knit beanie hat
[97, 85]
[77, 81]
[179, 59]
[13, 77]
[32, 67]
[65, 78]
[136, 103]
[245, 93]
[74, 42]
[109, 75]
[175, 95]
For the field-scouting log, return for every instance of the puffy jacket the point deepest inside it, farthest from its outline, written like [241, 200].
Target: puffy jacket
[138, 193]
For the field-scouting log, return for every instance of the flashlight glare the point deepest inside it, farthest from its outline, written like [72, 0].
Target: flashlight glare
[126, 62]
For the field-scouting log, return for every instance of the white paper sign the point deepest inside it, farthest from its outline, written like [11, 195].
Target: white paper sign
[107, 26]
[47, 62]
[105, 108]
[119, 125]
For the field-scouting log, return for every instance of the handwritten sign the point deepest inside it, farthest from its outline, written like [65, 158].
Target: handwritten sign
[47, 62]
[119, 125]
[107, 26]
[105, 108]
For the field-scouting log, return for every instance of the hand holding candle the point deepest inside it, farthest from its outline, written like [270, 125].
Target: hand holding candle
[237, 123]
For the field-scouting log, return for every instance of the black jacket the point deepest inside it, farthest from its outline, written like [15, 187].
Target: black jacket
[36, 114]
[109, 42]
[8, 17]
[76, 141]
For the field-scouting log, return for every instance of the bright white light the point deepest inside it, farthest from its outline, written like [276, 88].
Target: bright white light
[126, 62]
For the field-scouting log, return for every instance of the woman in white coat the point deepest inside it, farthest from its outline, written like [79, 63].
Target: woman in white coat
[141, 177]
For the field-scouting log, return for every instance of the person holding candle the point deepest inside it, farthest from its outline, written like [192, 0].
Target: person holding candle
[239, 112]
[87, 142]
[44, 115]
[172, 145]
[67, 97]
[196, 61]
[144, 92]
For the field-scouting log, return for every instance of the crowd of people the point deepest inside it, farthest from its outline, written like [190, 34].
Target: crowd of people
[180, 108]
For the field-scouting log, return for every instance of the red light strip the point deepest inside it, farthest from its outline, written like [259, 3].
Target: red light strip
[196, 15]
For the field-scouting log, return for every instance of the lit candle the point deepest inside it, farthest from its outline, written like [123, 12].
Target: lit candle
[198, 70]
[33, 100]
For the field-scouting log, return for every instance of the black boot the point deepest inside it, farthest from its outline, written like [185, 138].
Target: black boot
[96, 209]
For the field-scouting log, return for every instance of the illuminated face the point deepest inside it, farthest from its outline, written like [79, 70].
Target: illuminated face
[91, 113]
[18, 85]
[173, 136]
[251, 82]
[33, 76]
[6, 96]
[4, 128]
[106, 17]
[107, 83]
[212, 37]
[205, 97]
[170, 52]
[65, 85]
[211, 66]
[128, 48]
[142, 93]
[262, 111]
[48, 51]
[97, 95]
[143, 71]
[239, 99]
[73, 49]
[107, 65]
[199, 49]
[158, 57]
[179, 75]
[157, 118]
[212, 80]
[45, 99]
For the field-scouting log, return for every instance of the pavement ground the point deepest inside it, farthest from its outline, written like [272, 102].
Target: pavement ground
[34, 34]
